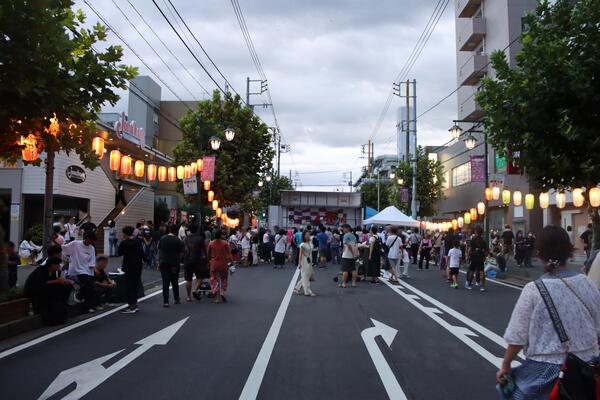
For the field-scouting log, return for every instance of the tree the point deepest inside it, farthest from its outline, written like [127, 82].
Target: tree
[430, 179]
[268, 194]
[239, 163]
[369, 191]
[49, 68]
[542, 114]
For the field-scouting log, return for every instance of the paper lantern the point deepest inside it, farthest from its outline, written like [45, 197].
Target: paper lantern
[467, 218]
[172, 173]
[98, 146]
[194, 167]
[506, 196]
[215, 204]
[529, 201]
[54, 127]
[138, 168]
[218, 212]
[595, 197]
[187, 171]
[206, 185]
[561, 199]
[473, 212]
[162, 173]
[30, 151]
[211, 196]
[578, 198]
[488, 194]
[454, 223]
[481, 208]
[151, 172]
[495, 193]
[200, 164]
[114, 161]
[517, 198]
[180, 172]
[544, 200]
[125, 165]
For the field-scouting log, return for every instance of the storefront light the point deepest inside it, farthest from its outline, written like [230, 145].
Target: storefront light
[455, 132]
[229, 134]
[215, 143]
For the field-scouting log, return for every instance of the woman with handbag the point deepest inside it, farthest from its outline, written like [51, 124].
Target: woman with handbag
[556, 322]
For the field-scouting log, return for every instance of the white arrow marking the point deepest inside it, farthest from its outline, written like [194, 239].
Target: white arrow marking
[89, 375]
[392, 387]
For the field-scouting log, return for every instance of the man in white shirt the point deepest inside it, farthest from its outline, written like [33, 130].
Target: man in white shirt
[454, 257]
[182, 233]
[70, 230]
[393, 243]
[82, 261]
[245, 247]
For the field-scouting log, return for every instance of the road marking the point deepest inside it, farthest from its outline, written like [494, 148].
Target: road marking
[462, 333]
[89, 375]
[69, 328]
[387, 333]
[254, 381]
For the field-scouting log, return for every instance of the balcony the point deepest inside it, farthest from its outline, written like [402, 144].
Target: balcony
[473, 69]
[469, 110]
[472, 34]
[467, 8]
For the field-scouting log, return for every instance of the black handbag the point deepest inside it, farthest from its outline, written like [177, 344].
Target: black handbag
[578, 379]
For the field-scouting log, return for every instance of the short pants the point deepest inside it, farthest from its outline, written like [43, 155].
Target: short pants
[195, 268]
[348, 265]
[454, 271]
[323, 252]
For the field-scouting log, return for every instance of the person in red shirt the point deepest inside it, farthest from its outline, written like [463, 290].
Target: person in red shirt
[219, 257]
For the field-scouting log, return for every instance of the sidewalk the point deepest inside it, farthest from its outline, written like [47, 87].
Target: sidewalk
[521, 276]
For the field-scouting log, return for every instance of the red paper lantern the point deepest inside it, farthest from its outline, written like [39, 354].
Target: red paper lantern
[151, 173]
[200, 164]
[172, 174]
[194, 167]
[162, 173]
[115, 160]
[187, 172]
[126, 165]
[138, 169]
[211, 196]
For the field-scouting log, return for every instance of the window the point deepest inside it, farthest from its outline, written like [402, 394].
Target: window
[461, 174]
[446, 184]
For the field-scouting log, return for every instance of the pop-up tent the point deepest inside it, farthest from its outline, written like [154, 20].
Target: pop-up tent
[391, 216]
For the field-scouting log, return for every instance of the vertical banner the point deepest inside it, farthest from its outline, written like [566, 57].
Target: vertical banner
[208, 170]
[404, 195]
[477, 169]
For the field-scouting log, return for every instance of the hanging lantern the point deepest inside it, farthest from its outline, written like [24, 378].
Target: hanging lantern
[215, 204]
[517, 198]
[187, 171]
[30, 151]
[506, 196]
[126, 165]
[595, 197]
[200, 164]
[162, 173]
[578, 198]
[467, 218]
[54, 127]
[544, 200]
[151, 172]
[473, 212]
[224, 218]
[194, 167]
[218, 212]
[206, 185]
[529, 201]
[138, 168]
[172, 173]
[115, 160]
[561, 199]
[454, 223]
[180, 172]
[488, 194]
[455, 132]
[495, 193]
[211, 196]
[98, 146]
[481, 208]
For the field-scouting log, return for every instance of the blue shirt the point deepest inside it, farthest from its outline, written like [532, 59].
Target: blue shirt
[323, 239]
[298, 238]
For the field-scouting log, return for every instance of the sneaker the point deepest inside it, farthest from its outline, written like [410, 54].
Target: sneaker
[482, 289]
[467, 286]
[454, 286]
[129, 310]
[476, 283]
[76, 298]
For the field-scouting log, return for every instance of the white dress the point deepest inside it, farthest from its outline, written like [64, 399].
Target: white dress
[306, 269]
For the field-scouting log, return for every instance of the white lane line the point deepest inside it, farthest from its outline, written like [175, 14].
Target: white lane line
[498, 282]
[69, 328]
[254, 381]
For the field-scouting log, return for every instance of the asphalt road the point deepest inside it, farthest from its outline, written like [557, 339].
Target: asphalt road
[267, 343]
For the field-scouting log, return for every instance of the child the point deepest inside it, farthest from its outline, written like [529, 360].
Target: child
[454, 257]
[13, 262]
[405, 257]
[491, 265]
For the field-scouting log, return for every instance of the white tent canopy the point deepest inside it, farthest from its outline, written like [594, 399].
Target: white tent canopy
[391, 216]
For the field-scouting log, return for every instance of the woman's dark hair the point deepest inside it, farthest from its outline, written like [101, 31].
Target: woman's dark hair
[193, 228]
[217, 234]
[173, 228]
[53, 261]
[128, 230]
[374, 230]
[554, 246]
[306, 236]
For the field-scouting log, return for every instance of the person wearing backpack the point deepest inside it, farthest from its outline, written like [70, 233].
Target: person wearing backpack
[478, 253]
[556, 323]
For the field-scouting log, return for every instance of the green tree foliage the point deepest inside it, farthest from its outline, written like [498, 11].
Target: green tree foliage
[240, 163]
[369, 195]
[543, 112]
[268, 194]
[430, 179]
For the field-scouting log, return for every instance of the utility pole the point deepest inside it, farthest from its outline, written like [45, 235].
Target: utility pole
[369, 158]
[263, 88]
[248, 92]
[413, 205]
[408, 121]
[350, 181]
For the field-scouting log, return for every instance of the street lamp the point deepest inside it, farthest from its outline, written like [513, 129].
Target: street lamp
[400, 181]
[215, 143]
[260, 183]
[455, 131]
[229, 134]
[470, 142]
[268, 178]
[392, 173]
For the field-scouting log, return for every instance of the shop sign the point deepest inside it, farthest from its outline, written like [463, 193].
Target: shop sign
[75, 174]
[190, 186]
[130, 131]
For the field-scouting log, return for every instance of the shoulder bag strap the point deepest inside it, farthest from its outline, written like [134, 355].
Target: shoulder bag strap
[558, 326]
[578, 297]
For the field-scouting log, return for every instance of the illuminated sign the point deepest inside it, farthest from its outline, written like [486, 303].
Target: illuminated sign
[130, 130]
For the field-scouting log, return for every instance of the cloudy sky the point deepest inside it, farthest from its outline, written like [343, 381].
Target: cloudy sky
[330, 66]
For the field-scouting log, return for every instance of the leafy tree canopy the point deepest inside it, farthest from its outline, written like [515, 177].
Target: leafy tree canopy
[369, 195]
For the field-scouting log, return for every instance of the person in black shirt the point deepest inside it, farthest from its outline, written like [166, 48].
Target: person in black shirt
[88, 226]
[507, 240]
[48, 293]
[105, 287]
[132, 252]
[478, 251]
[586, 237]
[194, 260]
[13, 263]
[169, 254]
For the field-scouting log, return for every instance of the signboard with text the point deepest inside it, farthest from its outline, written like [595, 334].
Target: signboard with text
[208, 171]
[477, 169]
[190, 186]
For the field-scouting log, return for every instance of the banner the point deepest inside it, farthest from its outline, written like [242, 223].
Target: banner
[477, 169]
[190, 186]
[208, 170]
[404, 195]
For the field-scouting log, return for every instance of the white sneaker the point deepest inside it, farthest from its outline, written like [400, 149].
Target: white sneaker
[482, 289]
